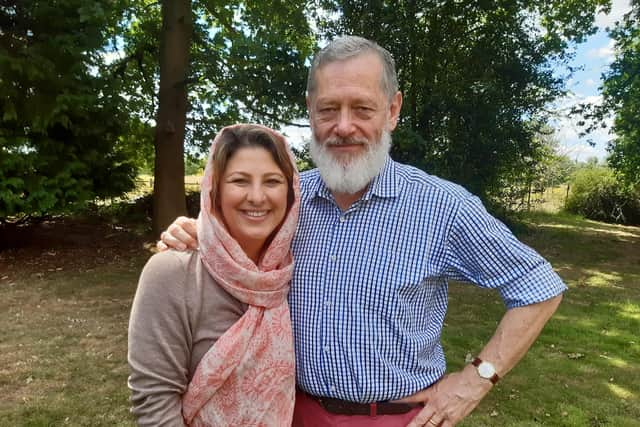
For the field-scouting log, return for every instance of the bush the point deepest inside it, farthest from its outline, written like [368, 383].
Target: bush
[597, 194]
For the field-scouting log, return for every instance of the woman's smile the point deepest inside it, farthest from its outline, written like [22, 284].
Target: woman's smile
[253, 198]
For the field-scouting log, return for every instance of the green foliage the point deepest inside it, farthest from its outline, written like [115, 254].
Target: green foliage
[248, 63]
[194, 165]
[518, 186]
[63, 139]
[303, 158]
[621, 93]
[621, 99]
[597, 194]
[476, 77]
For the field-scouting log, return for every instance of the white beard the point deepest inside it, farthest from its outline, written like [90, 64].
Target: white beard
[356, 173]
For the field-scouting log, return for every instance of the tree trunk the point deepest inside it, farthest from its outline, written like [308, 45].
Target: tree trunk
[175, 41]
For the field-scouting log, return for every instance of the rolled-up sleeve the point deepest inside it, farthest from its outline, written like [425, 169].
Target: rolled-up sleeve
[482, 250]
[159, 343]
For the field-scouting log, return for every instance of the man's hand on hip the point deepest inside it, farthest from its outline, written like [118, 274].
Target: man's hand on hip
[449, 400]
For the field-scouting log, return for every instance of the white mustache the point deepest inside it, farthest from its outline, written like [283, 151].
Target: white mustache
[346, 141]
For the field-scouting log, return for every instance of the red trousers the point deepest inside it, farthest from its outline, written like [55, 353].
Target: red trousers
[309, 413]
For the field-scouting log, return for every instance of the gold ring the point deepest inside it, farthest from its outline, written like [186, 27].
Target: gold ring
[433, 423]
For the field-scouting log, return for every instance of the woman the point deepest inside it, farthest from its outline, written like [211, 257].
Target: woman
[210, 334]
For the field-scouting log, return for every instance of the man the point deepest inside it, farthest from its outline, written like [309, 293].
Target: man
[376, 243]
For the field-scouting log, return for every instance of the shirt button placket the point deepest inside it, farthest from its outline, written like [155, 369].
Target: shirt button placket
[327, 354]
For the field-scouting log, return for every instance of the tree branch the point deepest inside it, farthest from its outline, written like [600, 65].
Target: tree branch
[220, 19]
[274, 117]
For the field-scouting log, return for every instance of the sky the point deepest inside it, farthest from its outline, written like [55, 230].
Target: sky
[593, 58]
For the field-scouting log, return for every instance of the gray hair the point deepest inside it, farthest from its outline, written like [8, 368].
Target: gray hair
[346, 47]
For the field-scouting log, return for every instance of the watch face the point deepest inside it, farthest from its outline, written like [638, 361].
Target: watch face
[486, 370]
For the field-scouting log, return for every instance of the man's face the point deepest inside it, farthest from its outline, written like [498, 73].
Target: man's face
[348, 110]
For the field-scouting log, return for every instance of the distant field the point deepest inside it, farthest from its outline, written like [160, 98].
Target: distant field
[552, 200]
[145, 184]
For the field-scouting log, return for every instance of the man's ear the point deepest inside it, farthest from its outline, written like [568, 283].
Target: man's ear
[394, 110]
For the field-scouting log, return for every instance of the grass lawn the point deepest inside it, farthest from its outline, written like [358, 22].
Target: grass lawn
[585, 368]
[64, 306]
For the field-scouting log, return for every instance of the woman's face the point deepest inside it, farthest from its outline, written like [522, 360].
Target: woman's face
[253, 198]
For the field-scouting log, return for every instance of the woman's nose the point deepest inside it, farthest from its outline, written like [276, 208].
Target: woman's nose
[256, 194]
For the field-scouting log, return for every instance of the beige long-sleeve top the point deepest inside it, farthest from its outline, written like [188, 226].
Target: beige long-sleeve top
[178, 313]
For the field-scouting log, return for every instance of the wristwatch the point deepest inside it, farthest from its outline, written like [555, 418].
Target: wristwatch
[486, 370]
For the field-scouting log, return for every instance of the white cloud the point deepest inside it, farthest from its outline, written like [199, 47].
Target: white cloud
[618, 9]
[580, 152]
[593, 99]
[563, 105]
[607, 52]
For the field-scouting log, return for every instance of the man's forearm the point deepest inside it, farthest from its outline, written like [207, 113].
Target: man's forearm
[515, 334]
[453, 397]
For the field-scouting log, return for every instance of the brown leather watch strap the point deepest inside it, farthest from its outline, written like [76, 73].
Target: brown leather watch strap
[494, 378]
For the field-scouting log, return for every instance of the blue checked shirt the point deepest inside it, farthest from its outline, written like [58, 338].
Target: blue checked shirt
[369, 292]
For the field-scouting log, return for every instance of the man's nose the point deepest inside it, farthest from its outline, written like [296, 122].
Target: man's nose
[344, 127]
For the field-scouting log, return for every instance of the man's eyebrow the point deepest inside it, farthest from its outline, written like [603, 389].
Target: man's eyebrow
[362, 99]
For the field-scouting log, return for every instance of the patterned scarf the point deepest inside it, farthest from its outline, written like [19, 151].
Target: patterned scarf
[247, 378]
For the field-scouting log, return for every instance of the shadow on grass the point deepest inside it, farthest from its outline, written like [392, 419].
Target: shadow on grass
[64, 313]
[64, 310]
[582, 371]
[585, 368]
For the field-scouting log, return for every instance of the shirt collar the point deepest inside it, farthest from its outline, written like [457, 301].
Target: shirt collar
[383, 185]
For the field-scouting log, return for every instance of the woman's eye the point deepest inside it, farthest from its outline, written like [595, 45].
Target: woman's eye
[273, 182]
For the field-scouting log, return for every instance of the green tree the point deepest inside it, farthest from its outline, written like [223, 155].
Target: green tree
[246, 63]
[175, 42]
[518, 187]
[621, 93]
[63, 139]
[597, 194]
[477, 76]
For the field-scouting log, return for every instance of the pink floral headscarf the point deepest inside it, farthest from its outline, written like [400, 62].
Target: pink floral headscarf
[248, 376]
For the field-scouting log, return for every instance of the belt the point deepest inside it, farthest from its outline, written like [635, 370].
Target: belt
[345, 407]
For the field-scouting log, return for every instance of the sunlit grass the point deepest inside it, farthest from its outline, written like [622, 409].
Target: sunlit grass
[63, 341]
[585, 368]
[622, 392]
